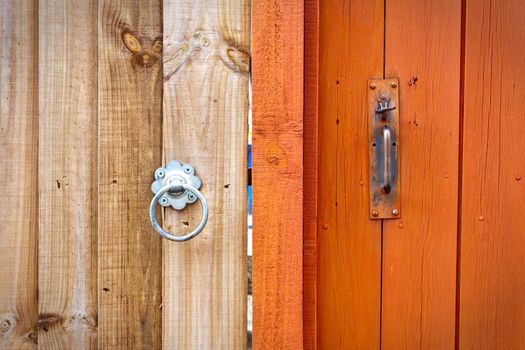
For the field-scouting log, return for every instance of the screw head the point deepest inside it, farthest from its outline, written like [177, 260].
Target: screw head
[375, 213]
[372, 86]
[191, 196]
[161, 173]
[164, 200]
[187, 169]
[395, 212]
[394, 84]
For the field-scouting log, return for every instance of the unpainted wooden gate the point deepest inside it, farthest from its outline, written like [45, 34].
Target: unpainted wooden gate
[94, 96]
[449, 273]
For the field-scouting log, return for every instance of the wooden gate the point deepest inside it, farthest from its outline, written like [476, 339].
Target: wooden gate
[84, 125]
[449, 273]
[96, 94]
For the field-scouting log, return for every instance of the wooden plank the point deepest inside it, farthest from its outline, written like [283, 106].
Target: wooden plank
[206, 64]
[492, 275]
[67, 174]
[277, 73]
[311, 158]
[130, 139]
[423, 44]
[18, 174]
[349, 243]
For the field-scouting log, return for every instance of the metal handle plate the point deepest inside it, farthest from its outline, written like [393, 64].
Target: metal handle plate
[383, 138]
[176, 185]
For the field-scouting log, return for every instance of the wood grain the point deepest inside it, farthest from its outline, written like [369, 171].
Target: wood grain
[310, 171]
[349, 244]
[130, 139]
[423, 44]
[206, 64]
[277, 73]
[18, 174]
[67, 174]
[492, 275]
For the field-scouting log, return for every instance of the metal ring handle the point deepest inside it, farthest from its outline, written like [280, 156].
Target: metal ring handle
[178, 188]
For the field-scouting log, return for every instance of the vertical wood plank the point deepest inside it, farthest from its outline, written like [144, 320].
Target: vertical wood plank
[18, 174]
[206, 65]
[277, 73]
[130, 138]
[492, 274]
[310, 171]
[349, 243]
[423, 44]
[67, 174]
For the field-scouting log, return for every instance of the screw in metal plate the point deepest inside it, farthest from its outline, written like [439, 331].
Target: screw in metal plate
[164, 200]
[395, 212]
[187, 170]
[191, 197]
[161, 173]
[372, 86]
[375, 213]
[394, 84]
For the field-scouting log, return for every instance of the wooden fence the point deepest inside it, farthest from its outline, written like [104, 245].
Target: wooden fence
[94, 96]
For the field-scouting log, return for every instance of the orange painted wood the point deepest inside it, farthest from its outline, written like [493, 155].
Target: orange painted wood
[311, 81]
[349, 243]
[423, 45]
[277, 73]
[492, 274]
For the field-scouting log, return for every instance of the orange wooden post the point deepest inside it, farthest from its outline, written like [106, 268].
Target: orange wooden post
[277, 67]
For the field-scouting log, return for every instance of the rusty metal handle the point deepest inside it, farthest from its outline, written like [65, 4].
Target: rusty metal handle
[387, 161]
[383, 137]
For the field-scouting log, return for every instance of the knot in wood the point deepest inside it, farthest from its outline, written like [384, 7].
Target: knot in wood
[46, 321]
[80, 320]
[201, 46]
[33, 337]
[144, 50]
[5, 325]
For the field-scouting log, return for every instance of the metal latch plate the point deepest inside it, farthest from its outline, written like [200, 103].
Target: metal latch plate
[383, 138]
[176, 173]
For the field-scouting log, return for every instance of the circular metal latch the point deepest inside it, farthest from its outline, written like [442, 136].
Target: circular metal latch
[176, 185]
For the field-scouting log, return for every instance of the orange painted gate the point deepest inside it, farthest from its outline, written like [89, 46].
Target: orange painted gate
[449, 271]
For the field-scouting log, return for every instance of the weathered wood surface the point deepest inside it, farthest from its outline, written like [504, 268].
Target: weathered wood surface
[349, 243]
[129, 138]
[18, 174]
[206, 64]
[423, 44]
[67, 188]
[310, 171]
[277, 75]
[492, 275]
